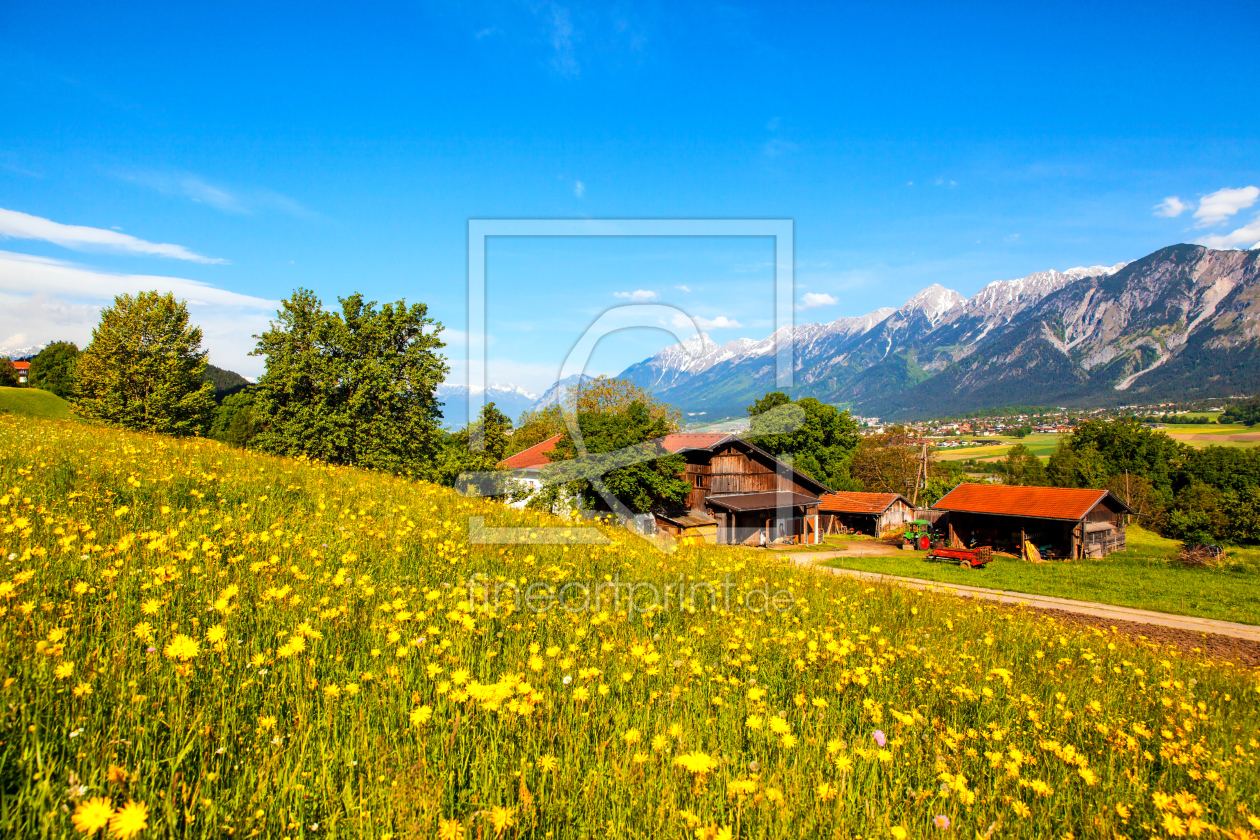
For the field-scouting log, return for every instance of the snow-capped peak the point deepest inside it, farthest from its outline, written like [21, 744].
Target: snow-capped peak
[934, 302]
[1094, 271]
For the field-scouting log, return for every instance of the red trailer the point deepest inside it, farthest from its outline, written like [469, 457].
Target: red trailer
[967, 558]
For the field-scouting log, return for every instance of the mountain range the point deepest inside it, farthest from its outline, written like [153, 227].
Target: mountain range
[509, 399]
[1183, 322]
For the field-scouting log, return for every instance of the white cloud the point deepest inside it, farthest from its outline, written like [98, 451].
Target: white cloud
[1245, 237]
[579, 189]
[1171, 207]
[638, 296]
[683, 288]
[814, 300]
[721, 322]
[1218, 206]
[43, 300]
[17, 225]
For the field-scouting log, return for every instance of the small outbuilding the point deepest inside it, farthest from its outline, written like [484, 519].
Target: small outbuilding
[1064, 522]
[864, 513]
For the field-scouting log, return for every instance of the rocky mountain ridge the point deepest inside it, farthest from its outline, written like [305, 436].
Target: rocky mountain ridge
[1090, 335]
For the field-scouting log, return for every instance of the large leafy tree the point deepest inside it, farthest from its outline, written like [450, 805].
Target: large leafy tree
[817, 438]
[1022, 467]
[52, 369]
[534, 427]
[234, 422]
[458, 452]
[143, 368]
[658, 482]
[1096, 450]
[605, 395]
[8, 374]
[352, 387]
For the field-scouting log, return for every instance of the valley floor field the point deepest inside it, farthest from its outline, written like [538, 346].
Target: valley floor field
[201, 642]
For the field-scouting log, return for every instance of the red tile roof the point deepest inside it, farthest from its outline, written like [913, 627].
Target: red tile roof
[693, 440]
[873, 503]
[22, 365]
[1039, 502]
[535, 456]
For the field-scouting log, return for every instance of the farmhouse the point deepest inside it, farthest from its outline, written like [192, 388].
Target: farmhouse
[23, 371]
[1061, 521]
[740, 493]
[864, 513]
[526, 465]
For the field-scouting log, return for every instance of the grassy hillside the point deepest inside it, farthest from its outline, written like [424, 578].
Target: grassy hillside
[32, 402]
[213, 643]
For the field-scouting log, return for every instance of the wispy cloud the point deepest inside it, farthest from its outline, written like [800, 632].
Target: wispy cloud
[815, 300]
[235, 200]
[638, 296]
[1247, 236]
[579, 189]
[17, 225]
[561, 34]
[1216, 207]
[44, 300]
[1171, 207]
[683, 288]
[721, 322]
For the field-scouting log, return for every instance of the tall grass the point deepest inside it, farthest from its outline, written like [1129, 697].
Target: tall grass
[234, 645]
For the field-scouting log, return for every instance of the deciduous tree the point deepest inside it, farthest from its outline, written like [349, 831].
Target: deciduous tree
[143, 368]
[52, 369]
[352, 387]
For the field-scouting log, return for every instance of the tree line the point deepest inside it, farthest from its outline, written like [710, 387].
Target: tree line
[357, 386]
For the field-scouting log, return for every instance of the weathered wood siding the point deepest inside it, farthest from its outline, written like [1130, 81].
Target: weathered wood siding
[733, 471]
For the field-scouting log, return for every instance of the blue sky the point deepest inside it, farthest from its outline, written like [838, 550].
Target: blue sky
[344, 148]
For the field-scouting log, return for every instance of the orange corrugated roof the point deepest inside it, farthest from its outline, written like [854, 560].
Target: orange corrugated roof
[535, 456]
[858, 502]
[22, 365]
[692, 440]
[1040, 502]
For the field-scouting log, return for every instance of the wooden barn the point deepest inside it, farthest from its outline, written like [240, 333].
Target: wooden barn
[1064, 522]
[864, 513]
[749, 496]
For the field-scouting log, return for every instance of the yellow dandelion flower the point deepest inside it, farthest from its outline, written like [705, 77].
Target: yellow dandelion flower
[696, 763]
[92, 815]
[1173, 826]
[632, 736]
[267, 722]
[129, 820]
[82, 689]
[63, 670]
[898, 833]
[143, 631]
[548, 763]
[216, 634]
[151, 606]
[420, 716]
[183, 647]
[501, 818]
[1021, 810]
[450, 830]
